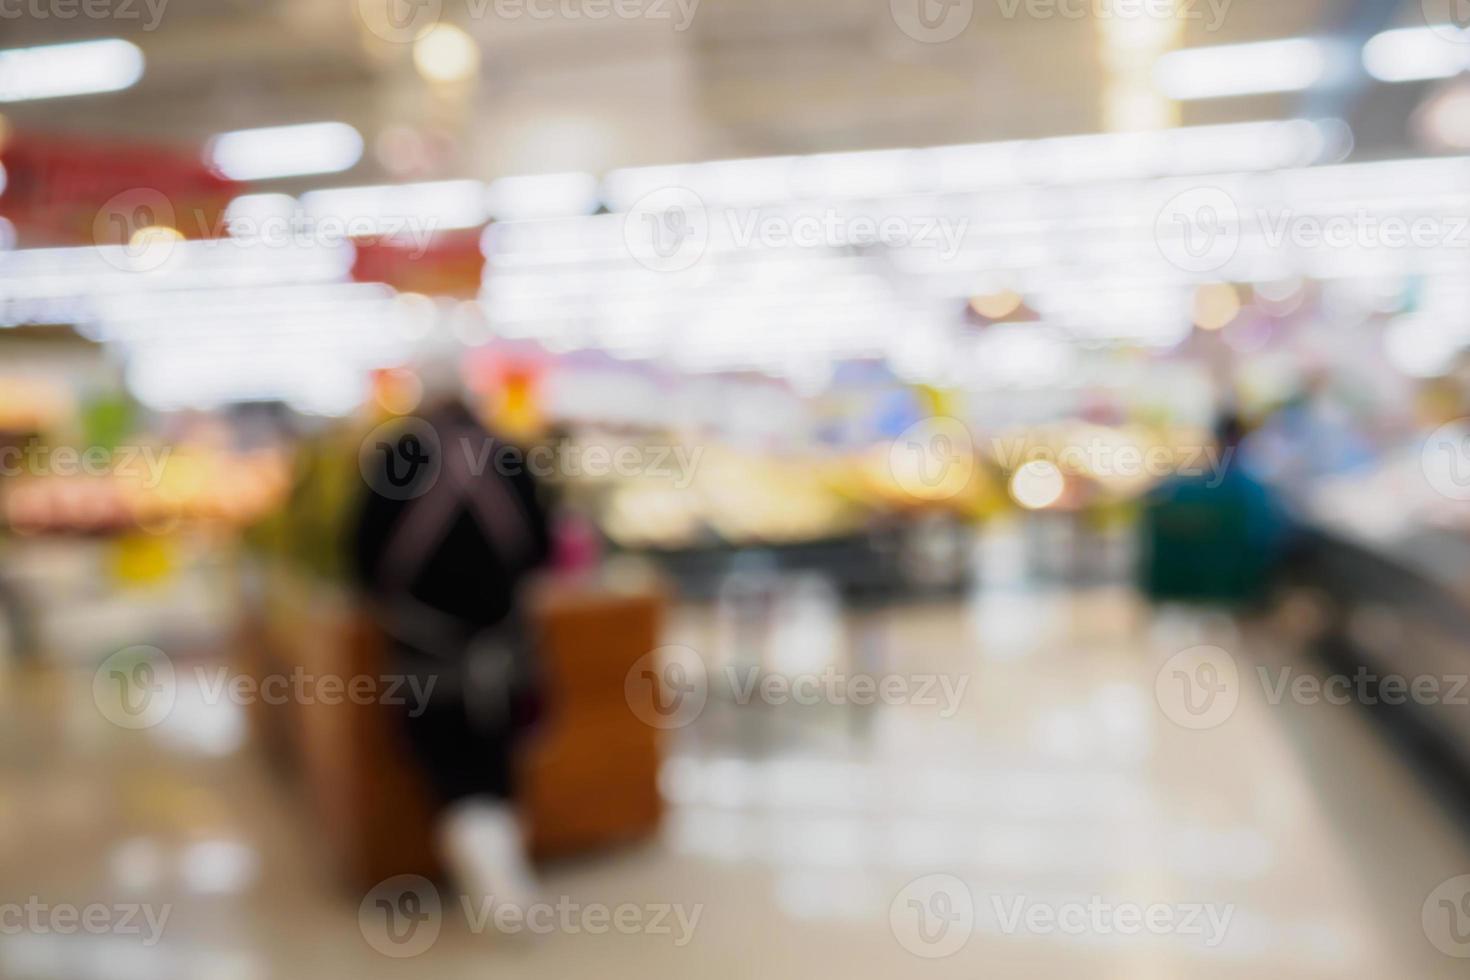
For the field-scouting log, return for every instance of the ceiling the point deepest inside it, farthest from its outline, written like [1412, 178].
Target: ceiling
[747, 78]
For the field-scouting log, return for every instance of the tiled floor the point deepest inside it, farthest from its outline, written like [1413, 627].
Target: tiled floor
[815, 839]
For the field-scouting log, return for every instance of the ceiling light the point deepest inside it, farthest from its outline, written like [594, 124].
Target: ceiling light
[285, 151]
[402, 208]
[1413, 54]
[1038, 485]
[446, 54]
[1291, 65]
[543, 196]
[79, 68]
[1216, 305]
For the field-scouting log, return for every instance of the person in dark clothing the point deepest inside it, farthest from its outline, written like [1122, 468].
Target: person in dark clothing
[445, 538]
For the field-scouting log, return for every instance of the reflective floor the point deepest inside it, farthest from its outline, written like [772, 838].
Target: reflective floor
[1033, 802]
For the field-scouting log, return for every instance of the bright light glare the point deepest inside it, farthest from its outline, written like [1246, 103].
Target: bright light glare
[446, 54]
[1413, 54]
[1038, 485]
[431, 206]
[543, 196]
[285, 151]
[79, 68]
[1291, 65]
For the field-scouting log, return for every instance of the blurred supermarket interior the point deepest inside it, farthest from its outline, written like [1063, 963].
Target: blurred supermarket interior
[998, 471]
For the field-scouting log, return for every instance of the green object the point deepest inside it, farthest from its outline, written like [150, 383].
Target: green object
[1209, 544]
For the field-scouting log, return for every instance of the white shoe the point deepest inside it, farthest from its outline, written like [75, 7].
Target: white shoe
[480, 840]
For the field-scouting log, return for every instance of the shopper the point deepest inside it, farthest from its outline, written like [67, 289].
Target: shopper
[1217, 539]
[443, 545]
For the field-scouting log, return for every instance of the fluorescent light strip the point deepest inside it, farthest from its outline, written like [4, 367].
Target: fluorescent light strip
[285, 151]
[390, 208]
[79, 68]
[1290, 65]
[542, 196]
[1414, 54]
[757, 181]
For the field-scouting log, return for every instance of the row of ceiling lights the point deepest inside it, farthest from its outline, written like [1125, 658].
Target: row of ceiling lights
[447, 54]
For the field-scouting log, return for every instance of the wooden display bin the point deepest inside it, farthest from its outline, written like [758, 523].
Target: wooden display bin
[590, 770]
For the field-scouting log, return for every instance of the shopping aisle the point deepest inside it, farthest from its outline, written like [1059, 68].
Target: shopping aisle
[1032, 811]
